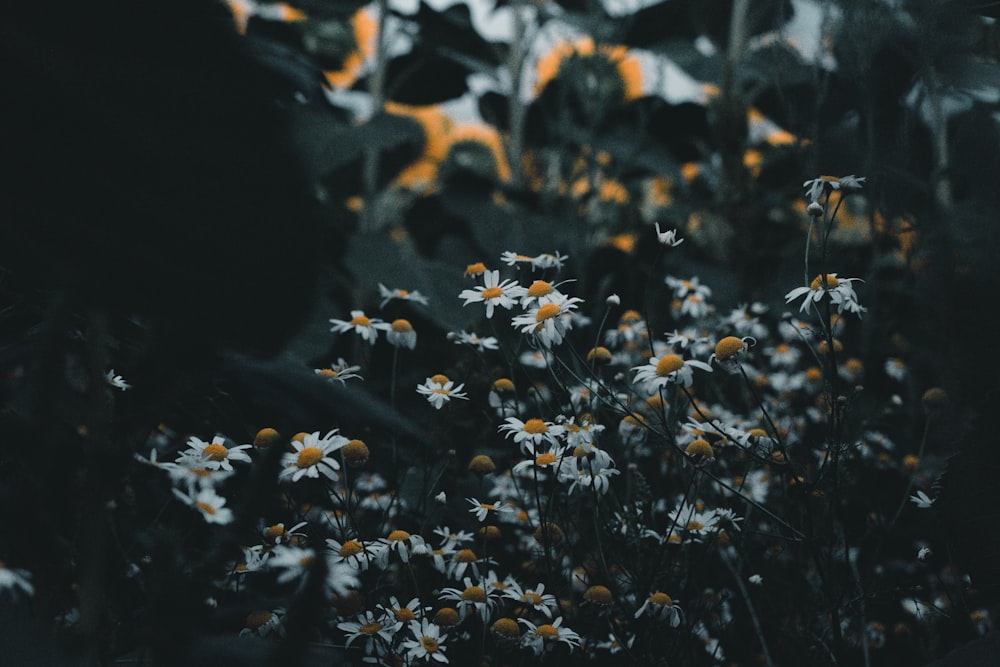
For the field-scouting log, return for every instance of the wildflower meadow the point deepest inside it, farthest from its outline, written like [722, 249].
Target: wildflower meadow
[539, 332]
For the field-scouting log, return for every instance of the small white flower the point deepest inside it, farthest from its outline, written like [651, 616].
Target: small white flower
[401, 334]
[439, 390]
[209, 504]
[361, 324]
[922, 500]
[340, 372]
[613, 300]
[549, 322]
[924, 553]
[668, 369]
[480, 343]
[817, 186]
[214, 455]
[494, 293]
[312, 457]
[400, 294]
[662, 607]
[668, 238]
[756, 579]
[116, 381]
[481, 510]
[427, 643]
[838, 290]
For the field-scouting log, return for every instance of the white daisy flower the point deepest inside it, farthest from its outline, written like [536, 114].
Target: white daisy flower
[399, 294]
[549, 322]
[427, 643]
[838, 290]
[374, 628]
[210, 504]
[215, 455]
[662, 607]
[494, 293]
[469, 338]
[401, 334]
[534, 598]
[361, 324]
[15, 580]
[668, 369]
[313, 457]
[532, 433]
[438, 390]
[482, 510]
[540, 637]
[340, 372]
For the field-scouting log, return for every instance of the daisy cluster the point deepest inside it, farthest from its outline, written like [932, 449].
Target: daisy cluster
[603, 492]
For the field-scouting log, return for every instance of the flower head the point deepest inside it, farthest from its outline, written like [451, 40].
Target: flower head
[494, 293]
[400, 295]
[668, 369]
[439, 390]
[838, 290]
[361, 324]
[312, 457]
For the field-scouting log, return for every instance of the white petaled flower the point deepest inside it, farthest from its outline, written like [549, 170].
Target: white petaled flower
[482, 510]
[694, 524]
[548, 260]
[192, 474]
[532, 433]
[548, 323]
[494, 293]
[15, 580]
[543, 460]
[816, 187]
[438, 390]
[756, 579]
[291, 562]
[584, 472]
[400, 295]
[541, 637]
[668, 238]
[668, 369]
[312, 457]
[473, 598]
[360, 324]
[480, 343]
[895, 368]
[376, 630]
[684, 288]
[354, 552]
[838, 290]
[403, 614]
[534, 598]
[401, 334]
[398, 542]
[662, 607]
[116, 381]
[924, 553]
[340, 372]
[215, 455]
[541, 292]
[922, 500]
[427, 643]
[209, 504]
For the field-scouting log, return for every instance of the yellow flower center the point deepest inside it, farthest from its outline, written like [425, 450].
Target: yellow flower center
[532, 598]
[309, 456]
[404, 614]
[351, 548]
[492, 292]
[817, 283]
[430, 644]
[216, 452]
[398, 536]
[661, 599]
[668, 365]
[503, 385]
[547, 631]
[548, 458]
[729, 347]
[466, 556]
[700, 449]
[694, 526]
[599, 595]
[507, 627]
[475, 269]
[439, 379]
[206, 508]
[370, 628]
[539, 288]
[535, 426]
[277, 530]
[402, 326]
[361, 321]
[547, 312]
[474, 594]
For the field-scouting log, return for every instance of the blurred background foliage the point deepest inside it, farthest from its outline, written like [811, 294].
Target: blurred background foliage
[195, 188]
